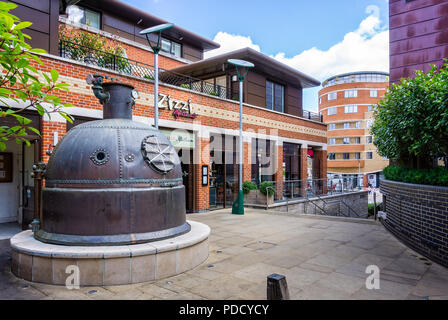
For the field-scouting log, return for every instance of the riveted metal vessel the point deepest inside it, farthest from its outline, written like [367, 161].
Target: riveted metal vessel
[113, 181]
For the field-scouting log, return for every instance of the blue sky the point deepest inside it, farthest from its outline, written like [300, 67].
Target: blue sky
[321, 37]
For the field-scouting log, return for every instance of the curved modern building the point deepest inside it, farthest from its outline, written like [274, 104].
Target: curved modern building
[347, 102]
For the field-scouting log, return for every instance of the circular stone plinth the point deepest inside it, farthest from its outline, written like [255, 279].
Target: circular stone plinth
[36, 261]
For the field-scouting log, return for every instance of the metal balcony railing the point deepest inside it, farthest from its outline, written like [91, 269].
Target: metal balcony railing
[128, 66]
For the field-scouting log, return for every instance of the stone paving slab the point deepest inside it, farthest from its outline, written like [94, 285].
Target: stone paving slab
[321, 257]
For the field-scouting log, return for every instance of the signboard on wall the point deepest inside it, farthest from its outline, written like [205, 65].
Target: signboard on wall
[181, 109]
[5, 167]
[181, 139]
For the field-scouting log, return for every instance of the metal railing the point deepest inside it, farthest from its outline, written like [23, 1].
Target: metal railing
[312, 116]
[128, 66]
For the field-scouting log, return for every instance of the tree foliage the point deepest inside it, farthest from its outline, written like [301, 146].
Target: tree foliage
[411, 122]
[22, 86]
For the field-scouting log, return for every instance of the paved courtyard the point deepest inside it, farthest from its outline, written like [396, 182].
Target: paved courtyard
[322, 258]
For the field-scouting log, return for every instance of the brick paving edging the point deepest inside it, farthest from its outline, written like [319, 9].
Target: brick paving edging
[418, 216]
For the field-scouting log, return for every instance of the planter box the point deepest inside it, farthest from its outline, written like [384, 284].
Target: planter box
[256, 197]
[418, 215]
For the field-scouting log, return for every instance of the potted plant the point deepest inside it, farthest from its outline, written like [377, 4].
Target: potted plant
[250, 191]
[267, 188]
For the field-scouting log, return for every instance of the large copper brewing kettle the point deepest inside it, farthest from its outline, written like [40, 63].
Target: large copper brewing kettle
[113, 181]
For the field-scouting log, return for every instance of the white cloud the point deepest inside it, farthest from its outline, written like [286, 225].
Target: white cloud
[365, 49]
[231, 42]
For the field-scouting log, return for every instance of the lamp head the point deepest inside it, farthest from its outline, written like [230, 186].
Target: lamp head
[158, 28]
[243, 64]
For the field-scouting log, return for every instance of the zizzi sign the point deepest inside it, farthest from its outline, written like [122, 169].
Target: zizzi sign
[179, 108]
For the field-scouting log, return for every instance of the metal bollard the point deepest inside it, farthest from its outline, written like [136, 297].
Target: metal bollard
[277, 288]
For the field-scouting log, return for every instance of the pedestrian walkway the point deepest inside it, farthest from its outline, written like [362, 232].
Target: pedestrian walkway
[321, 257]
[7, 230]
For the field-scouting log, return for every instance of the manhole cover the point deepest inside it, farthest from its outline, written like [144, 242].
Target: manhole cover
[260, 245]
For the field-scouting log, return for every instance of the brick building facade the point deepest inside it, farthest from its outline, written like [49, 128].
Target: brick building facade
[346, 103]
[205, 132]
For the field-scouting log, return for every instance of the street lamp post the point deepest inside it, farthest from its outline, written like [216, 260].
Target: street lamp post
[156, 48]
[238, 205]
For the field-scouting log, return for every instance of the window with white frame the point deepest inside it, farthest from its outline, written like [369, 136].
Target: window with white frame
[369, 155]
[172, 47]
[346, 140]
[358, 156]
[358, 140]
[351, 109]
[346, 125]
[332, 126]
[332, 111]
[373, 93]
[358, 124]
[332, 156]
[369, 123]
[369, 139]
[332, 96]
[332, 141]
[351, 93]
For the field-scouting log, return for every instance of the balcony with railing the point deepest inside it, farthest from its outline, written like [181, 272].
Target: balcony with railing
[135, 68]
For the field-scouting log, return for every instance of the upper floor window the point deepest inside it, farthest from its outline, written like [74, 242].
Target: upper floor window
[369, 123]
[351, 93]
[275, 99]
[369, 155]
[84, 16]
[371, 108]
[358, 124]
[346, 156]
[358, 156]
[346, 125]
[373, 93]
[358, 140]
[346, 140]
[332, 96]
[332, 141]
[351, 109]
[332, 111]
[332, 126]
[332, 156]
[369, 139]
[172, 47]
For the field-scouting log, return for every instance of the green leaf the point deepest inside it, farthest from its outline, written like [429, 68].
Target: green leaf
[54, 75]
[34, 130]
[23, 25]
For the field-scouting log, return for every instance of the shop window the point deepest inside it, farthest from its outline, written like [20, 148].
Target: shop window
[84, 16]
[275, 96]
